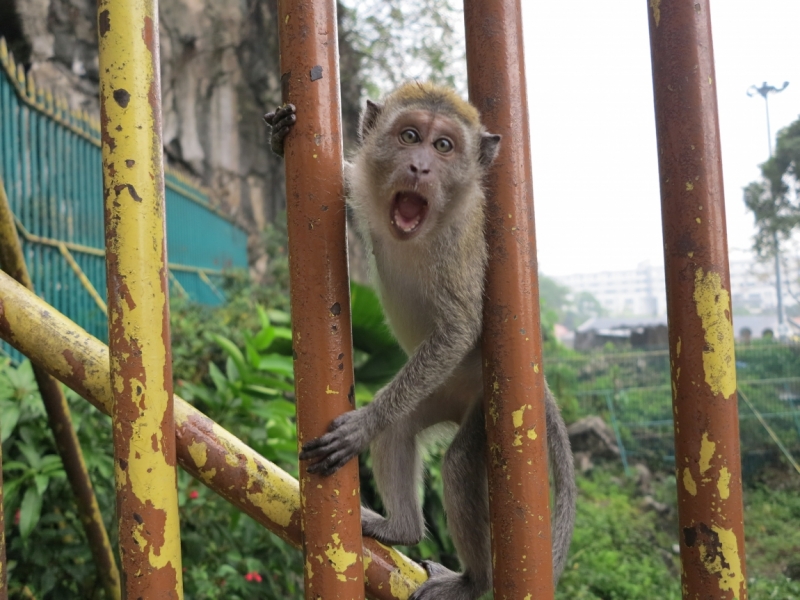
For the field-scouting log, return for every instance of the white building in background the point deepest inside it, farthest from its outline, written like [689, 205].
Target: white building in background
[642, 292]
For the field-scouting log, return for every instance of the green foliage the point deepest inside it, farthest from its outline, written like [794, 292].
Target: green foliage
[403, 40]
[775, 199]
[46, 546]
[619, 551]
[772, 531]
[559, 304]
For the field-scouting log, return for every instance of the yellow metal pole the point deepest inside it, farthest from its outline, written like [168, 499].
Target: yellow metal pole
[59, 418]
[206, 451]
[138, 309]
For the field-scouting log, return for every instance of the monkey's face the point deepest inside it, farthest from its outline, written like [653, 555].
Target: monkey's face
[419, 169]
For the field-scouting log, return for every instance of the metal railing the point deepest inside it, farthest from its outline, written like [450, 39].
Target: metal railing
[50, 162]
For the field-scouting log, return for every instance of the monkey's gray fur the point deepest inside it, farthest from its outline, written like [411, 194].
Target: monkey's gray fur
[429, 272]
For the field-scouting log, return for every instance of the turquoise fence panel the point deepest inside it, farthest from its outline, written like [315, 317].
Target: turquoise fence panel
[51, 164]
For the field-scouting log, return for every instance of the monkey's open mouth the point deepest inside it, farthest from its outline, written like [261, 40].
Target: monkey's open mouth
[409, 210]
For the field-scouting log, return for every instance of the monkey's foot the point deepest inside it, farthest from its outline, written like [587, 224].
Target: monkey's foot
[391, 532]
[444, 584]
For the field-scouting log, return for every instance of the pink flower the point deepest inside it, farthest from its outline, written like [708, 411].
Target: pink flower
[193, 495]
[253, 576]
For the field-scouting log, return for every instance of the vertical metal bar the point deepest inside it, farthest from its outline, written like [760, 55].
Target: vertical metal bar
[321, 327]
[138, 309]
[701, 347]
[514, 386]
[60, 421]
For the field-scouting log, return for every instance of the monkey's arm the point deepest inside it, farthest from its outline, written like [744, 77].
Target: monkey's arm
[427, 369]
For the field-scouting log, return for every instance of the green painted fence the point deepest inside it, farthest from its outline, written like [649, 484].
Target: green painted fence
[50, 162]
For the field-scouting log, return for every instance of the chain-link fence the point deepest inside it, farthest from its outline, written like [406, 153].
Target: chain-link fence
[632, 392]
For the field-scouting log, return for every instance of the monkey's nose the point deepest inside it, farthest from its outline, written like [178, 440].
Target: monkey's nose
[418, 171]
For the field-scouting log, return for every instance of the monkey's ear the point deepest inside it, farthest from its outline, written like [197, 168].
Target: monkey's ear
[490, 146]
[369, 117]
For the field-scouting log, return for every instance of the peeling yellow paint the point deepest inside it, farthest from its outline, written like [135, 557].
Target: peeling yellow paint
[309, 569]
[532, 433]
[723, 485]
[678, 345]
[712, 303]
[688, 482]
[328, 390]
[340, 559]
[656, 6]
[725, 562]
[707, 448]
[691, 254]
[518, 414]
[278, 494]
[199, 453]
[406, 578]
[536, 367]
[689, 186]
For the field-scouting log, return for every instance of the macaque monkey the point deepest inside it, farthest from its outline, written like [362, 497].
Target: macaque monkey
[415, 187]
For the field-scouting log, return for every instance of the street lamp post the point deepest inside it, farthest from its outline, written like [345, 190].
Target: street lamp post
[764, 92]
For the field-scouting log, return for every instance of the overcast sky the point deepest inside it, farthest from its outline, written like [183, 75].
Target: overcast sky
[592, 127]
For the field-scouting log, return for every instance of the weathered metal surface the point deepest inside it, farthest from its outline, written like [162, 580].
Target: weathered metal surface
[698, 301]
[209, 453]
[321, 331]
[138, 309]
[512, 341]
[60, 421]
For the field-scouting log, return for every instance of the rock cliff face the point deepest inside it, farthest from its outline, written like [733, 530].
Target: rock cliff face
[220, 73]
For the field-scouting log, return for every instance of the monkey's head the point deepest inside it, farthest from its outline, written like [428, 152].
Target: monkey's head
[422, 159]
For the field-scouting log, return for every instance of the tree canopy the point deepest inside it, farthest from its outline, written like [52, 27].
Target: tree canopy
[775, 198]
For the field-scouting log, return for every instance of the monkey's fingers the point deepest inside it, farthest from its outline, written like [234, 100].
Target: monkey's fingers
[333, 463]
[279, 113]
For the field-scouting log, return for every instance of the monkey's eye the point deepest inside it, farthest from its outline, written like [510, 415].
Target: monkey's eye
[409, 136]
[443, 145]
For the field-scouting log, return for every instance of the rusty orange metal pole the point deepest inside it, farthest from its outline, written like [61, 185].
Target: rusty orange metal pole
[321, 332]
[59, 418]
[205, 450]
[698, 301]
[138, 309]
[514, 385]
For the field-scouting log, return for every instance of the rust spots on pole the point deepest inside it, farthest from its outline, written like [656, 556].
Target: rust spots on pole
[698, 302]
[206, 451]
[138, 310]
[512, 339]
[320, 291]
[60, 421]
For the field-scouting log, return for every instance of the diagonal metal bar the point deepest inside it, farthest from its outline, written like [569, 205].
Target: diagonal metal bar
[205, 450]
[60, 421]
[83, 278]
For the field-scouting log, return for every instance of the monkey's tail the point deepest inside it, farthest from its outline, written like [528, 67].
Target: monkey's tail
[566, 491]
